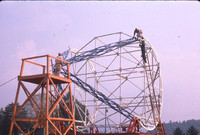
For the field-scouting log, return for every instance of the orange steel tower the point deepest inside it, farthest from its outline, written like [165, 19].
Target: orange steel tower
[46, 117]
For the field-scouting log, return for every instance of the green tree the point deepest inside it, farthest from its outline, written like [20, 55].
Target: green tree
[1, 119]
[192, 131]
[29, 108]
[37, 97]
[178, 131]
[5, 119]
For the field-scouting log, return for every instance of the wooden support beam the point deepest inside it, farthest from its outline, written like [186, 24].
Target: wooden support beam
[43, 118]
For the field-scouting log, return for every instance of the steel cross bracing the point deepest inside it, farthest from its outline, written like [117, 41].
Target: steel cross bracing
[150, 110]
[92, 54]
[124, 55]
[99, 51]
[100, 96]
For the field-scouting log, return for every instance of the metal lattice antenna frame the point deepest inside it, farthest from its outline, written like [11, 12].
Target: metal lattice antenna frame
[113, 74]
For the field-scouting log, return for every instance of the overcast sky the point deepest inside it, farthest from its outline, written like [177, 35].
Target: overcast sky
[37, 28]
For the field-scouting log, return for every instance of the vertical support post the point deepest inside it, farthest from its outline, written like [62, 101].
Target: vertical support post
[68, 73]
[120, 90]
[71, 99]
[14, 110]
[43, 70]
[97, 87]
[22, 68]
[42, 104]
[47, 64]
[105, 118]
[71, 105]
[47, 99]
[47, 107]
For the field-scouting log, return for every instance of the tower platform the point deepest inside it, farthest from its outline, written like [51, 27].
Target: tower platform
[36, 79]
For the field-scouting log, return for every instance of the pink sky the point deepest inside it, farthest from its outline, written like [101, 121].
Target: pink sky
[173, 28]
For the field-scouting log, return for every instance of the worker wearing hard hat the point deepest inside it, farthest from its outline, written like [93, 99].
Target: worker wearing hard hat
[58, 65]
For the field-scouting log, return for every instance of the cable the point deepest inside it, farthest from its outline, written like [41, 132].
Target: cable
[8, 81]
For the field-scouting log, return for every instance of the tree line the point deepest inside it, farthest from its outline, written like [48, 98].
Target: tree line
[26, 112]
[190, 131]
[183, 127]
[190, 127]
[5, 120]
